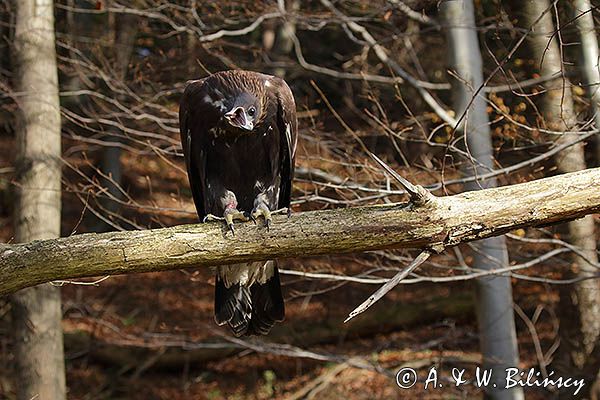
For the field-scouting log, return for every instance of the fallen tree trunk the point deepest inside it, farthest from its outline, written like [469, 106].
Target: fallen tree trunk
[171, 354]
[436, 223]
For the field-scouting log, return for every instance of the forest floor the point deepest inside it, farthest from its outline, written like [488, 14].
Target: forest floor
[160, 312]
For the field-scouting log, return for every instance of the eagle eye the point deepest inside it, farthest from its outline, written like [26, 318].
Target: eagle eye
[251, 111]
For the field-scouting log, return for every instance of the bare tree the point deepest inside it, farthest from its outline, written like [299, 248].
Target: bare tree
[580, 304]
[122, 31]
[494, 294]
[279, 39]
[37, 311]
[590, 59]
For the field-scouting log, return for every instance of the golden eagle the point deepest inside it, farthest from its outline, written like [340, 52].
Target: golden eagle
[239, 133]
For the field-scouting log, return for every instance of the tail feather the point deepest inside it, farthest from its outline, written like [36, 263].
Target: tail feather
[249, 310]
[233, 306]
[267, 305]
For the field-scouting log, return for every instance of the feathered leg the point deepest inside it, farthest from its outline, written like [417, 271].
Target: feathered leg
[231, 212]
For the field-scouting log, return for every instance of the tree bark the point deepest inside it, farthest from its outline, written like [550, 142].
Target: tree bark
[37, 311]
[439, 223]
[284, 42]
[580, 303]
[122, 32]
[584, 19]
[494, 293]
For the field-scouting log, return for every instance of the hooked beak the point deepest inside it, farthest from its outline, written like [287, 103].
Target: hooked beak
[238, 118]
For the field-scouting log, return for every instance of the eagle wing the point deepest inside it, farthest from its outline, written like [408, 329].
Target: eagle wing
[195, 158]
[288, 129]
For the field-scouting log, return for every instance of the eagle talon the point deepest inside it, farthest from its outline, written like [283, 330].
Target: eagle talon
[230, 227]
[232, 214]
[263, 210]
[252, 217]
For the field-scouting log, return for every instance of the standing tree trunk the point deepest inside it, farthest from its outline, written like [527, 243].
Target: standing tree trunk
[584, 20]
[580, 303]
[494, 294]
[122, 32]
[281, 44]
[37, 311]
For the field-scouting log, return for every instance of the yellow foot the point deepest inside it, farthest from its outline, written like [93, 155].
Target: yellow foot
[262, 210]
[231, 214]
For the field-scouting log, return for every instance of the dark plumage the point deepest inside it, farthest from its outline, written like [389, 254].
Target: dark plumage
[239, 132]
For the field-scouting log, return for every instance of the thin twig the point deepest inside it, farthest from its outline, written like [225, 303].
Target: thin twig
[418, 194]
[392, 283]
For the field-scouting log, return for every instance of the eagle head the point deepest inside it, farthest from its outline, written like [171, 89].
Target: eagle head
[245, 112]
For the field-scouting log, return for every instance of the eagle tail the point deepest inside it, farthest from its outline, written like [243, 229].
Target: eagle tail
[267, 305]
[233, 306]
[249, 310]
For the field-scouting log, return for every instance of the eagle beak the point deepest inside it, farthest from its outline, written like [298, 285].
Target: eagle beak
[238, 118]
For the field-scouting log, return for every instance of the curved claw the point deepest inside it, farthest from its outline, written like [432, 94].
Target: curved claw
[265, 212]
[229, 221]
[233, 214]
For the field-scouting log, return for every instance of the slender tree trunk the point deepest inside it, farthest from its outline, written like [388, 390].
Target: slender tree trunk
[584, 19]
[37, 311]
[580, 303]
[494, 294]
[277, 37]
[122, 31]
